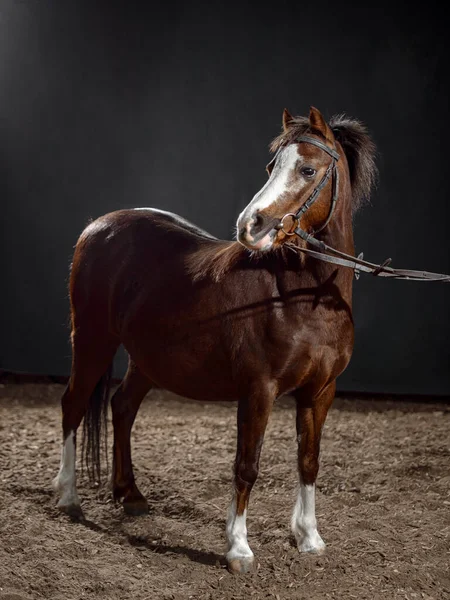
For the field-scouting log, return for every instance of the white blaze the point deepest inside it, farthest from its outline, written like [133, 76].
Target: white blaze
[304, 524]
[277, 184]
[237, 534]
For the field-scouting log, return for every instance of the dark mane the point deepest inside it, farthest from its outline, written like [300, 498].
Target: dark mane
[214, 259]
[358, 147]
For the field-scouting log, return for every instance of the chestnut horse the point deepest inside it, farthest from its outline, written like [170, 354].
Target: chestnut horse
[249, 320]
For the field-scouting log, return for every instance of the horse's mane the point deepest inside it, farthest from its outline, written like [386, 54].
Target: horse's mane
[357, 145]
[215, 259]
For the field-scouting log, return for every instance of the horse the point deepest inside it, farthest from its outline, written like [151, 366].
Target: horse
[247, 320]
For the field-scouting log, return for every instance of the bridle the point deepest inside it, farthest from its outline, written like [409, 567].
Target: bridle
[330, 172]
[329, 254]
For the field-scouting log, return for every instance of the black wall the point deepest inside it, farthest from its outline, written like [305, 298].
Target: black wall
[104, 106]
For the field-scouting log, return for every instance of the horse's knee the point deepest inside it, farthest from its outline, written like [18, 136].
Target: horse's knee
[309, 467]
[246, 473]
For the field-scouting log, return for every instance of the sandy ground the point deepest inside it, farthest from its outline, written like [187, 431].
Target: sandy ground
[383, 506]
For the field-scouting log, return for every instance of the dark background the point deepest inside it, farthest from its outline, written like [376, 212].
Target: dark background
[108, 105]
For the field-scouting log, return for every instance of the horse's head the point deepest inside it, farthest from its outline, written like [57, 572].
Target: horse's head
[295, 171]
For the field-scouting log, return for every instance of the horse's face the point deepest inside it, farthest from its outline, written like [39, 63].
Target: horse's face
[293, 174]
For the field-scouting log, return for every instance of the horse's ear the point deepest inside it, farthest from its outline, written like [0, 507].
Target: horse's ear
[287, 119]
[318, 124]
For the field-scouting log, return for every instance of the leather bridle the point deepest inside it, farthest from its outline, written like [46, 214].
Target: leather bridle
[330, 172]
[327, 253]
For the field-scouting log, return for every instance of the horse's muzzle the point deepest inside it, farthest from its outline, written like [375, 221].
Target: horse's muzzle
[256, 232]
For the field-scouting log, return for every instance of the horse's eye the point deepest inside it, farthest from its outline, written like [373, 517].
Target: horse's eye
[308, 172]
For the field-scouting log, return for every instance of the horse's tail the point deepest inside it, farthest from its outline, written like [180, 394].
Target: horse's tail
[95, 427]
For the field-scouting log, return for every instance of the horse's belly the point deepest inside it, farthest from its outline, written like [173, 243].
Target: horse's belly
[196, 367]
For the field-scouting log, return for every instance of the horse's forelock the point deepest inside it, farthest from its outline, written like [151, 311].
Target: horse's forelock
[297, 127]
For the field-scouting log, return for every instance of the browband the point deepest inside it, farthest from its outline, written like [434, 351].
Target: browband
[319, 144]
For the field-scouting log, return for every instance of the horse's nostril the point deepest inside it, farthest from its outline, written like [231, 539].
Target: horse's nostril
[261, 223]
[258, 221]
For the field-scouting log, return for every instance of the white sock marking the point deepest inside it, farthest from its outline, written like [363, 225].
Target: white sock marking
[237, 534]
[65, 481]
[304, 524]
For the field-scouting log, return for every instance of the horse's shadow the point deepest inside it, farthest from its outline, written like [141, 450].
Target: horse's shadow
[200, 556]
[143, 542]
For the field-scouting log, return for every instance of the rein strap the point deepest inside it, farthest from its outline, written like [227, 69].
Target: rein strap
[342, 259]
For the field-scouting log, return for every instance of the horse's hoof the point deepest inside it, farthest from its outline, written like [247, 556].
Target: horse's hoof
[72, 510]
[312, 548]
[241, 565]
[135, 508]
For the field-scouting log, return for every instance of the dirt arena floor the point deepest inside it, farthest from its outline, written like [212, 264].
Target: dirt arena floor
[383, 506]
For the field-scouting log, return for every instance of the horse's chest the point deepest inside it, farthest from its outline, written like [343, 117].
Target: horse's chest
[314, 344]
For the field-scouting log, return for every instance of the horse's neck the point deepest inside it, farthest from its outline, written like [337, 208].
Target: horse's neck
[339, 231]
[337, 234]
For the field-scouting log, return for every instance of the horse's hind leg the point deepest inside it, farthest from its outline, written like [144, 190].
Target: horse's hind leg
[125, 404]
[253, 414]
[91, 358]
[311, 413]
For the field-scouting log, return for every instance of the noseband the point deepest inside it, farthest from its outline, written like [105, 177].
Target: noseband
[330, 172]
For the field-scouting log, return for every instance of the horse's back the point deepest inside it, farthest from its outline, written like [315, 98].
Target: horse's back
[172, 220]
[134, 239]
[141, 224]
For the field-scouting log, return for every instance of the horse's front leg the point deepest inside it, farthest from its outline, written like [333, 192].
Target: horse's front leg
[252, 417]
[311, 413]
